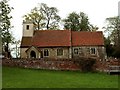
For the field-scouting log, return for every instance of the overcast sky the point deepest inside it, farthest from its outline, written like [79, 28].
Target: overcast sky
[97, 10]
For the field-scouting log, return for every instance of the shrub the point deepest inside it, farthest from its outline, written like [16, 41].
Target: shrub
[116, 53]
[86, 64]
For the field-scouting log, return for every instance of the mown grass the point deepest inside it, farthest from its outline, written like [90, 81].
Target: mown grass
[30, 78]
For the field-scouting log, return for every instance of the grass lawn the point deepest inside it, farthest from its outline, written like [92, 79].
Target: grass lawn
[30, 78]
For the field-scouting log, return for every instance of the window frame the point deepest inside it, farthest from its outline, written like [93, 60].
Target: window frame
[77, 51]
[46, 51]
[59, 53]
[91, 50]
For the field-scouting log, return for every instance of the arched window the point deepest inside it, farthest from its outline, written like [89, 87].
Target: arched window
[33, 54]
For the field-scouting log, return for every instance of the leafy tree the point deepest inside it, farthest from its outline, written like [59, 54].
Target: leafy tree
[16, 48]
[72, 22]
[109, 47]
[51, 17]
[36, 17]
[5, 25]
[44, 17]
[113, 30]
[84, 23]
[78, 22]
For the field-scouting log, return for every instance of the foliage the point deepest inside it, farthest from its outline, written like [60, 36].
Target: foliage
[16, 48]
[5, 24]
[36, 17]
[86, 64]
[30, 78]
[116, 53]
[113, 30]
[51, 16]
[72, 21]
[44, 17]
[109, 47]
[78, 22]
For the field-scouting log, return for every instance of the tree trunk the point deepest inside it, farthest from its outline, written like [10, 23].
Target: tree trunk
[7, 52]
[38, 26]
[48, 23]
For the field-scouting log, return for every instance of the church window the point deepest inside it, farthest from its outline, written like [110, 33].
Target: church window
[59, 52]
[27, 27]
[75, 50]
[93, 51]
[46, 52]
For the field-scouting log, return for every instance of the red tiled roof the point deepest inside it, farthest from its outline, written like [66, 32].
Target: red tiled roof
[52, 38]
[46, 38]
[87, 38]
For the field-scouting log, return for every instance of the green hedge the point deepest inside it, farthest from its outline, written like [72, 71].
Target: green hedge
[86, 64]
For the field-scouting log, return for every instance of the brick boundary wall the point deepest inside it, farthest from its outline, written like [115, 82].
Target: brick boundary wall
[57, 64]
[103, 66]
[42, 64]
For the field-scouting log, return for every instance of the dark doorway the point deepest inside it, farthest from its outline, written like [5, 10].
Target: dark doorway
[33, 54]
[41, 54]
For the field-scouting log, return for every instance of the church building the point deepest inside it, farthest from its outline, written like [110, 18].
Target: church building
[60, 43]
